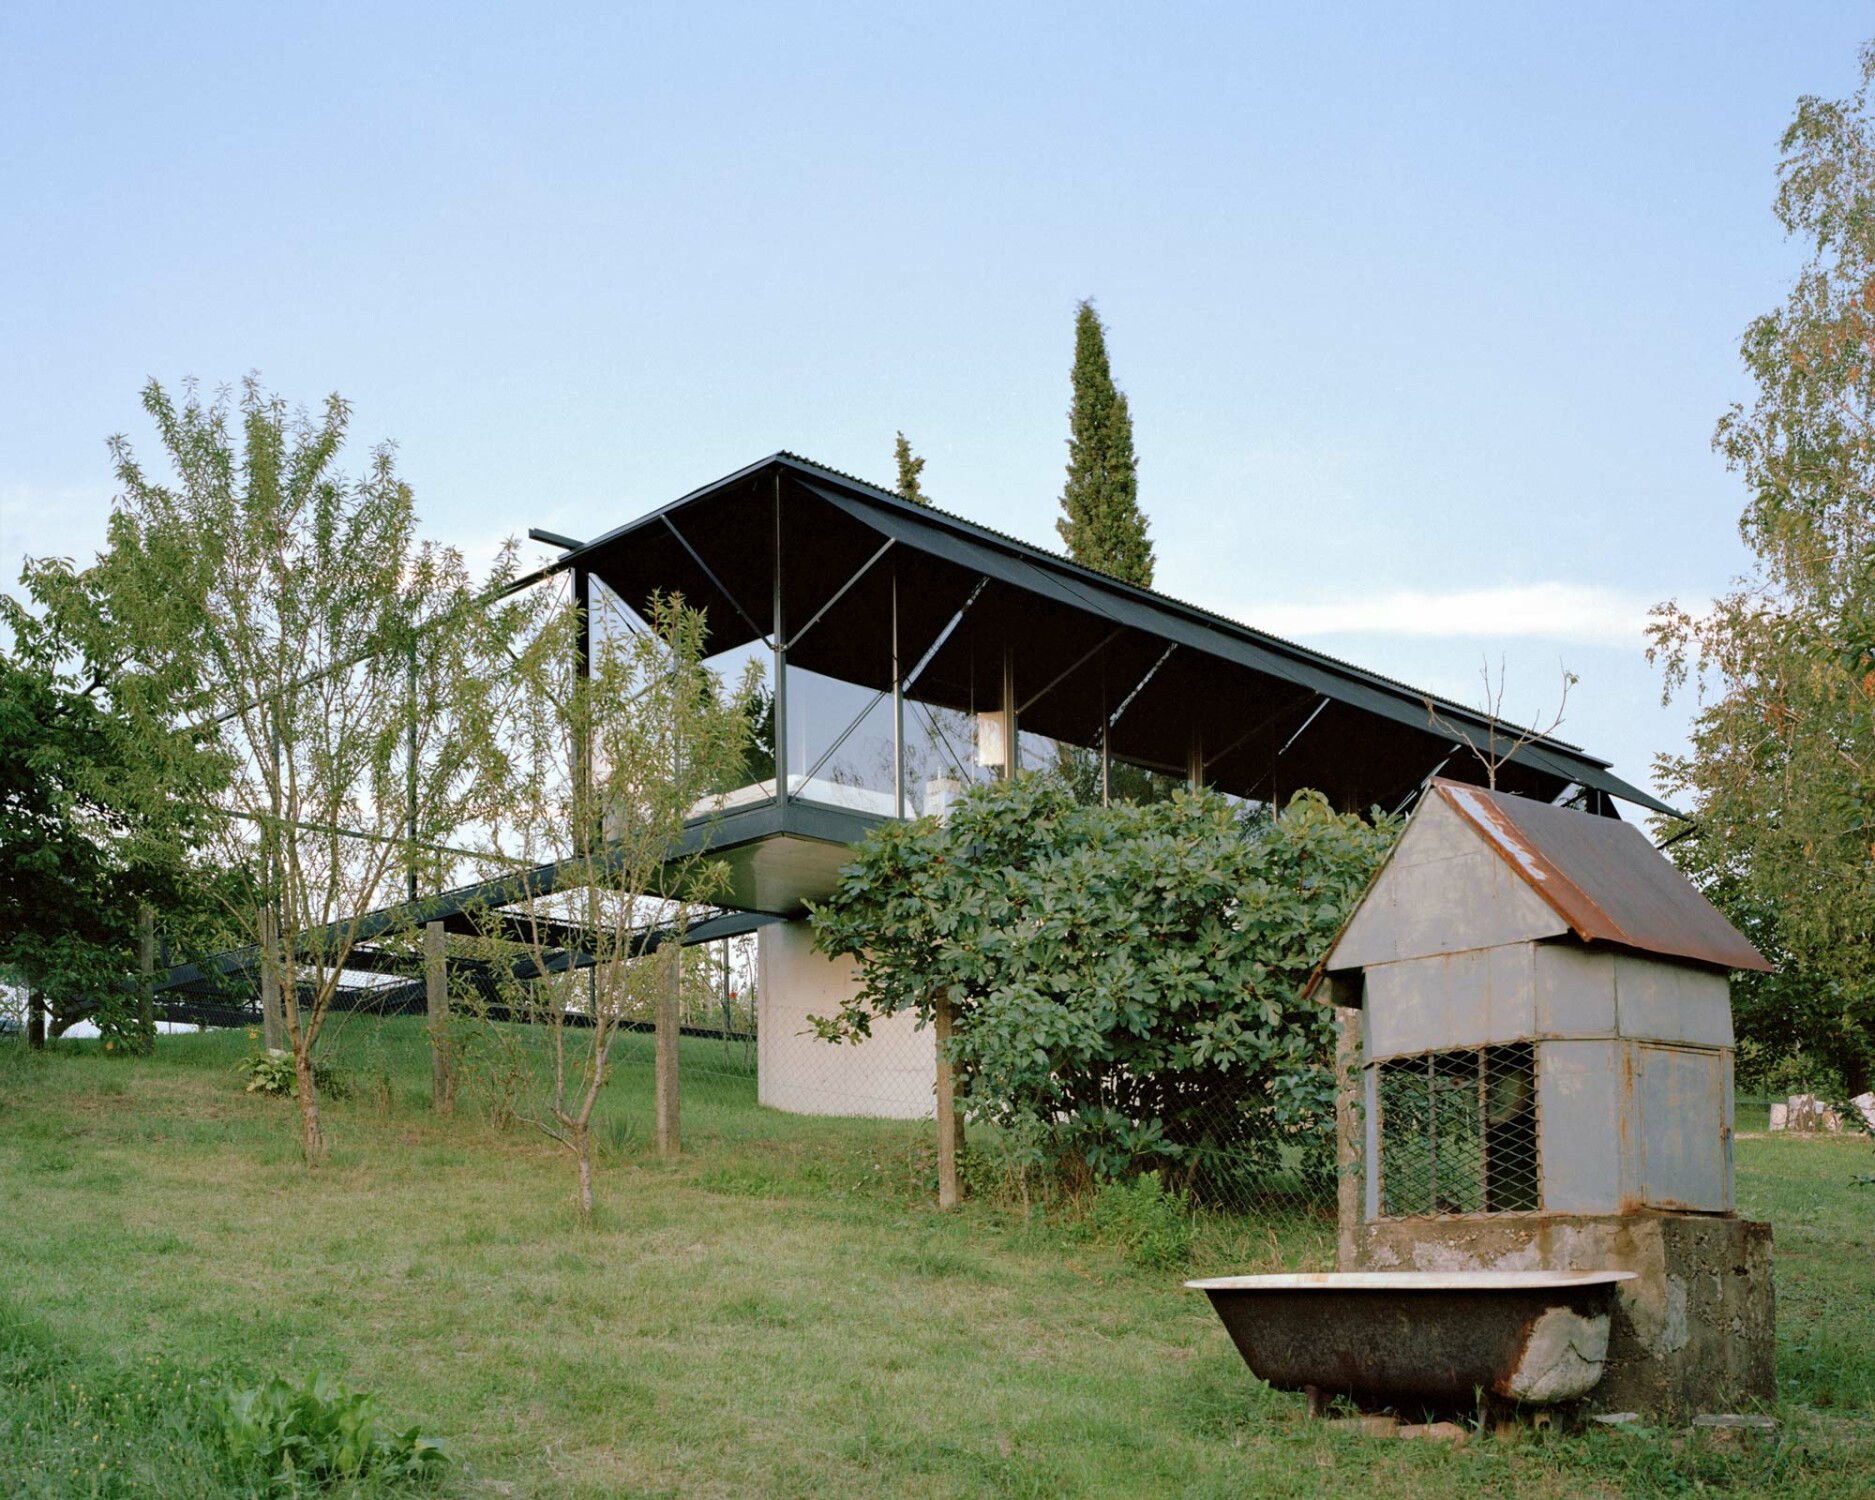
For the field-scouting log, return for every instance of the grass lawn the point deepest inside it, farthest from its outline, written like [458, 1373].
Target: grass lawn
[782, 1313]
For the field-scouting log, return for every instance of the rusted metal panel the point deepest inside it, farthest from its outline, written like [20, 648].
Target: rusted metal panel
[1672, 1003]
[1441, 891]
[1603, 878]
[1422, 1340]
[1579, 1084]
[1683, 1136]
[1451, 1000]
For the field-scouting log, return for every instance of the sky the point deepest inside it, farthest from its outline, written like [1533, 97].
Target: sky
[1425, 314]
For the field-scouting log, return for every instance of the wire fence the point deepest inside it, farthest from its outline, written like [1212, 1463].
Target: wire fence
[752, 1069]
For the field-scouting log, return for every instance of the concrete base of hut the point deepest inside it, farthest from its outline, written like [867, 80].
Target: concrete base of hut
[1692, 1333]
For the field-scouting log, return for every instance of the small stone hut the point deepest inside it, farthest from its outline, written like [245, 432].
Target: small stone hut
[1537, 1035]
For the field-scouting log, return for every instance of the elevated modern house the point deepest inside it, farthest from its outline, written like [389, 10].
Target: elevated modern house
[912, 653]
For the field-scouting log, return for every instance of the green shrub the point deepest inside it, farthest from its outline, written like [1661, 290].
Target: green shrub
[318, 1431]
[1125, 981]
[1149, 1222]
[271, 1072]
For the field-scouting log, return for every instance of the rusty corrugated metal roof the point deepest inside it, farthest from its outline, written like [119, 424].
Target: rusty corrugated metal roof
[1603, 878]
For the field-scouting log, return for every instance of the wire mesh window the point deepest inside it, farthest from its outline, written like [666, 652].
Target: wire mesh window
[1458, 1133]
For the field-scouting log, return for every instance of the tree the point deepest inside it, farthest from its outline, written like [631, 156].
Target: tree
[1101, 521]
[1125, 981]
[282, 619]
[604, 764]
[909, 468]
[1502, 740]
[1781, 773]
[91, 828]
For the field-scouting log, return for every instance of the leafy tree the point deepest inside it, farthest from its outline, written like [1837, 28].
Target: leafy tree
[909, 468]
[1101, 521]
[282, 619]
[91, 828]
[1125, 981]
[629, 747]
[1781, 773]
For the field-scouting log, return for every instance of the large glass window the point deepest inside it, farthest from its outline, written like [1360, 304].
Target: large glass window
[841, 744]
[754, 783]
[947, 751]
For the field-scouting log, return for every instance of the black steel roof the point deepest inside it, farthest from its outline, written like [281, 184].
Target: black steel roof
[1271, 716]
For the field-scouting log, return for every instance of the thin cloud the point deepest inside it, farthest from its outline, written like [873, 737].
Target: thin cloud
[1585, 613]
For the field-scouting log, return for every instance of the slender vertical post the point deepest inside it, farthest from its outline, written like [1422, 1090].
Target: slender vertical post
[779, 626]
[670, 1133]
[436, 994]
[146, 977]
[410, 778]
[950, 1129]
[1106, 734]
[898, 709]
[1348, 1186]
[583, 816]
[35, 1021]
[271, 1027]
[1194, 760]
[1012, 759]
[729, 1009]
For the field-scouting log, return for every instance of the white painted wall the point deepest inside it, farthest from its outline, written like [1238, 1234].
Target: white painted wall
[892, 1076]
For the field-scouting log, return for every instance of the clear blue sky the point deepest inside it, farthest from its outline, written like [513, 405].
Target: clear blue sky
[1425, 315]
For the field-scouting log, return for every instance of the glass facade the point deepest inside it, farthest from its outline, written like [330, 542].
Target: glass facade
[842, 749]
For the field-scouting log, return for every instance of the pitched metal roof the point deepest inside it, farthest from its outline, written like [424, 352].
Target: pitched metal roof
[668, 547]
[1603, 878]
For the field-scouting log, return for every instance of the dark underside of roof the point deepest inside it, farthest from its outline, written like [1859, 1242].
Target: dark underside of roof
[1269, 717]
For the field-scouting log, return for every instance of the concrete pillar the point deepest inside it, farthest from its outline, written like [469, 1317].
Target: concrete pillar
[891, 1076]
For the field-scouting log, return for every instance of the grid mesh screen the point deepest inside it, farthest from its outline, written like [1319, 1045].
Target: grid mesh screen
[1458, 1133]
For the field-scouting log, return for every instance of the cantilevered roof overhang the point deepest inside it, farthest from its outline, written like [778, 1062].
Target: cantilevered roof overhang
[1267, 716]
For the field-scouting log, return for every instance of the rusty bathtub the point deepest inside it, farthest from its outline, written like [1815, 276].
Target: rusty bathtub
[1422, 1339]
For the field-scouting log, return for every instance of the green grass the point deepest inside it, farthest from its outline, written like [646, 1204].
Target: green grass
[781, 1313]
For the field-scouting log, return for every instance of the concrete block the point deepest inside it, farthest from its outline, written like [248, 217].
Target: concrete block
[892, 1076]
[1692, 1333]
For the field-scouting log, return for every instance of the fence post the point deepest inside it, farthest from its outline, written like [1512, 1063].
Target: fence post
[949, 1127]
[272, 1022]
[1348, 1134]
[670, 1133]
[146, 978]
[436, 994]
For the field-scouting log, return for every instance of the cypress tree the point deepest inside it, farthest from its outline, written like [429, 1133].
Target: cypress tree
[1101, 521]
[909, 468]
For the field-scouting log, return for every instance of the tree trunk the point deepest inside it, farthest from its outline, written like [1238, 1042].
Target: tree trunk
[436, 992]
[311, 1135]
[582, 1149]
[35, 1021]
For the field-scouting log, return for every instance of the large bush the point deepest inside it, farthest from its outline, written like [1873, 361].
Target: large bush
[1125, 981]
